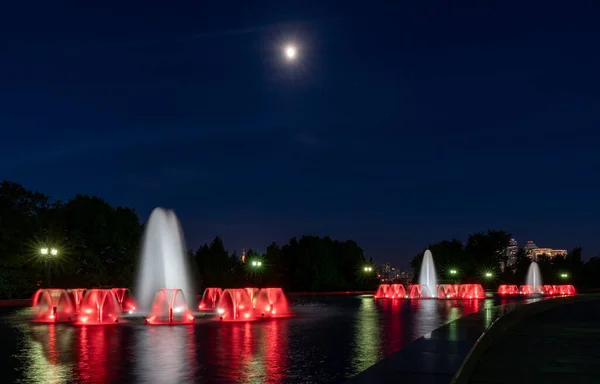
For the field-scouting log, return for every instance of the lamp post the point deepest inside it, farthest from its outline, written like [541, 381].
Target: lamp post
[368, 269]
[46, 254]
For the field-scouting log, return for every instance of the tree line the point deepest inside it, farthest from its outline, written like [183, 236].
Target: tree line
[483, 258]
[98, 246]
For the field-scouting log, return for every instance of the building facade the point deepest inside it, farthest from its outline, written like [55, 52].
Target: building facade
[533, 251]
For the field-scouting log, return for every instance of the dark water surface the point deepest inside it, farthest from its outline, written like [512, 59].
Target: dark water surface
[327, 340]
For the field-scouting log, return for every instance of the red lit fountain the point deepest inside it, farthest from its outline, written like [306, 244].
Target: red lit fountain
[125, 299]
[170, 307]
[253, 293]
[76, 296]
[210, 298]
[53, 305]
[235, 304]
[383, 292]
[446, 291]
[508, 290]
[99, 306]
[271, 302]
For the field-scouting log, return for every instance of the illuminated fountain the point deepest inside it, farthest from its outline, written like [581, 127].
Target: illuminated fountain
[125, 300]
[534, 277]
[427, 277]
[235, 304]
[76, 296]
[398, 291]
[163, 259]
[471, 291]
[99, 306]
[53, 305]
[419, 291]
[170, 307]
[271, 302]
[210, 298]
[508, 290]
[383, 292]
[446, 291]
[253, 293]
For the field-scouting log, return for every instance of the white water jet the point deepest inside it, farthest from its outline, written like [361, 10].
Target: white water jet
[534, 277]
[427, 276]
[163, 261]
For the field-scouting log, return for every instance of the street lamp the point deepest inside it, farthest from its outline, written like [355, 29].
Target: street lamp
[564, 275]
[256, 263]
[453, 271]
[45, 252]
[489, 275]
[368, 269]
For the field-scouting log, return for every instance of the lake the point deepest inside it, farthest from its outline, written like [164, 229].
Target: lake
[329, 339]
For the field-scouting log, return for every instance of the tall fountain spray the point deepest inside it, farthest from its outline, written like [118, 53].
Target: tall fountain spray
[534, 277]
[427, 276]
[163, 262]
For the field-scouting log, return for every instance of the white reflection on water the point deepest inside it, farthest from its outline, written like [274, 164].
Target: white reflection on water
[367, 348]
[43, 353]
[165, 354]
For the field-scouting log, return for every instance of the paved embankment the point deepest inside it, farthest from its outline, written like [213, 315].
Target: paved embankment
[560, 344]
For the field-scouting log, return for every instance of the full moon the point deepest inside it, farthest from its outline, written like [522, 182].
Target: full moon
[290, 52]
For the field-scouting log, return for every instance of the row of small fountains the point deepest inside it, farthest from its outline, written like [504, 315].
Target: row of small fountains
[422, 291]
[466, 291]
[107, 306]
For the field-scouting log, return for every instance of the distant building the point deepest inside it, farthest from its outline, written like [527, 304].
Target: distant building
[243, 258]
[533, 251]
[388, 274]
[511, 252]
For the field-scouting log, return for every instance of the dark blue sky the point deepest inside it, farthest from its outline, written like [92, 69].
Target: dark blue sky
[398, 125]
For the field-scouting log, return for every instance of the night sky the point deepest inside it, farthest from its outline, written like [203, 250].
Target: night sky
[397, 126]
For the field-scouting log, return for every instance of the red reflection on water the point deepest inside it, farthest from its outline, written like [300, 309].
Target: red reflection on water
[250, 351]
[98, 354]
[52, 352]
[276, 351]
[393, 326]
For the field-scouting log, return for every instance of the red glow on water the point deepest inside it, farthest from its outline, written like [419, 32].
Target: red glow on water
[210, 298]
[235, 304]
[170, 307]
[508, 290]
[99, 306]
[53, 305]
[271, 302]
[98, 354]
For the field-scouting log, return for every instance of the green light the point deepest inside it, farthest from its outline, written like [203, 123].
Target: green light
[368, 269]
[488, 274]
[256, 263]
[453, 271]
[564, 275]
